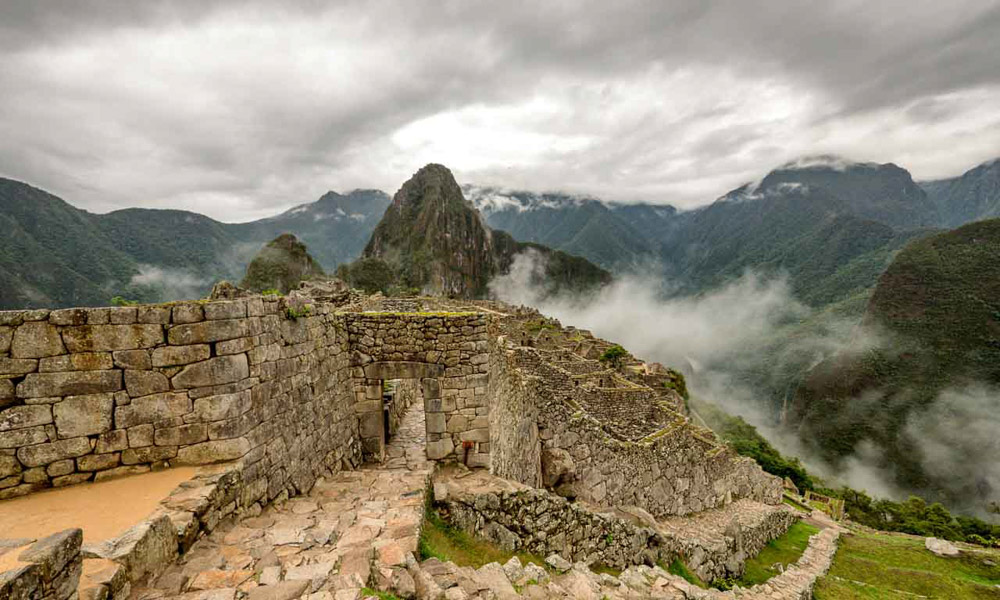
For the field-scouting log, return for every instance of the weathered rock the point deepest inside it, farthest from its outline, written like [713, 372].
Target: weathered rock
[98, 338]
[207, 331]
[149, 409]
[86, 361]
[43, 454]
[20, 417]
[558, 563]
[941, 547]
[6, 334]
[144, 550]
[214, 451]
[36, 340]
[79, 383]
[98, 462]
[224, 406]
[145, 383]
[78, 416]
[286, 590]
[215, 371]
[170, 356]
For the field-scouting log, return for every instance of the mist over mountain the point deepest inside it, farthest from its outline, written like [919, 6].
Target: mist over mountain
[925, 400]
[56, 255]
[973, 196]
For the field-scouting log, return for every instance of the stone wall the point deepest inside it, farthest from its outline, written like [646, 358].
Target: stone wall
[676, 469]
[48, 569]
[516, 453]
[541, 523]
[96, 393]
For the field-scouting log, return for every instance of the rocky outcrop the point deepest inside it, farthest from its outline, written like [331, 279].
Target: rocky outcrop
[48, 569]
[281, 265]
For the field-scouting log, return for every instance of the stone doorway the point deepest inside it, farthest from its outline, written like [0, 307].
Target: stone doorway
[398, 396]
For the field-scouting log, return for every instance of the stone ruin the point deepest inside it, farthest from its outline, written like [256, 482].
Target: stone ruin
[278, 399]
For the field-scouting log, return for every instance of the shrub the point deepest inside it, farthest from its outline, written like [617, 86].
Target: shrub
[615, 356]
[119, 301]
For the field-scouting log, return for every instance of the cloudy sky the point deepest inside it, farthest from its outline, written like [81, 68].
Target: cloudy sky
[241, 109]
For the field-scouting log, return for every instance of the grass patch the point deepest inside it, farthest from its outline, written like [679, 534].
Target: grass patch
[366, 592]
[879, 566]
[605, 569]
[785, 550]
[446, 543]
[680, 569]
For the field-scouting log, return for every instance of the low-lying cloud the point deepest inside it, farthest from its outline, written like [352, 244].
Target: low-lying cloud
[168, 284]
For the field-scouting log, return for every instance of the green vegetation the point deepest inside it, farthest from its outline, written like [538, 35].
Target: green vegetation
[614, 356]
[119, 301]
[786, 550]
[745, 439]
[440, 540]
[884, 566]
[368, 274]
[938, 303]
[272, 292]
[680, 569]
[297, 311]
[366, 592]
[281, 265]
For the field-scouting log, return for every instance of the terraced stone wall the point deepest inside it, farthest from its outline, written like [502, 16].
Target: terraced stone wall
[676, 469]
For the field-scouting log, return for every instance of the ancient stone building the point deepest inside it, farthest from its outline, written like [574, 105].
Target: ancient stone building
[285, 397]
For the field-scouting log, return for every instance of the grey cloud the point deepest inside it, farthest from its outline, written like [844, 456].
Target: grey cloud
[250, 106]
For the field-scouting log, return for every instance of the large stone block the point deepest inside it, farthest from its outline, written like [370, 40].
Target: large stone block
[17, 366]
[44, 454]
[9, 466]
[78, 383]
[440, 449]
[153, 314]
[226, 309]
[36, 340]
[83, 415]
[436, 423]
[215, 371]
[207, 331]
[181, 436]
[152, 408]
[98, 462]
[224, 406]
[174, 356]
[144, 383]
[148, 454]
[85, 361]
[68, 316]
[133, 359]
[6, 334]
[19, 417]
[23, 437]
[145, 550]
[188, 313]
[214, 451]
[112, 441]
[104, 338]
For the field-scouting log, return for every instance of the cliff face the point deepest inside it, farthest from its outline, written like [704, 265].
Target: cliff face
[281, 265]
[436, 240]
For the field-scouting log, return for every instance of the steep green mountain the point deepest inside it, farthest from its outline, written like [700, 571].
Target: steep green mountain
[435, 240]
[54, 255]
[972, 197]
[937, 308]
[582, 226]
[281, 265]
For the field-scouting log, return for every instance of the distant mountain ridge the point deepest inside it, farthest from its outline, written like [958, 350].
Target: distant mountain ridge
[830, 223]
[55, 255]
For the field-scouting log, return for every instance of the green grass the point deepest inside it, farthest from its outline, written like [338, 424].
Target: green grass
[679, 569]
[446, 543]
[880, 566]
[366, 592]
[785, 550]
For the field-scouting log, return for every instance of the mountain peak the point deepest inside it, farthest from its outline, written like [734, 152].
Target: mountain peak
[824, 161]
